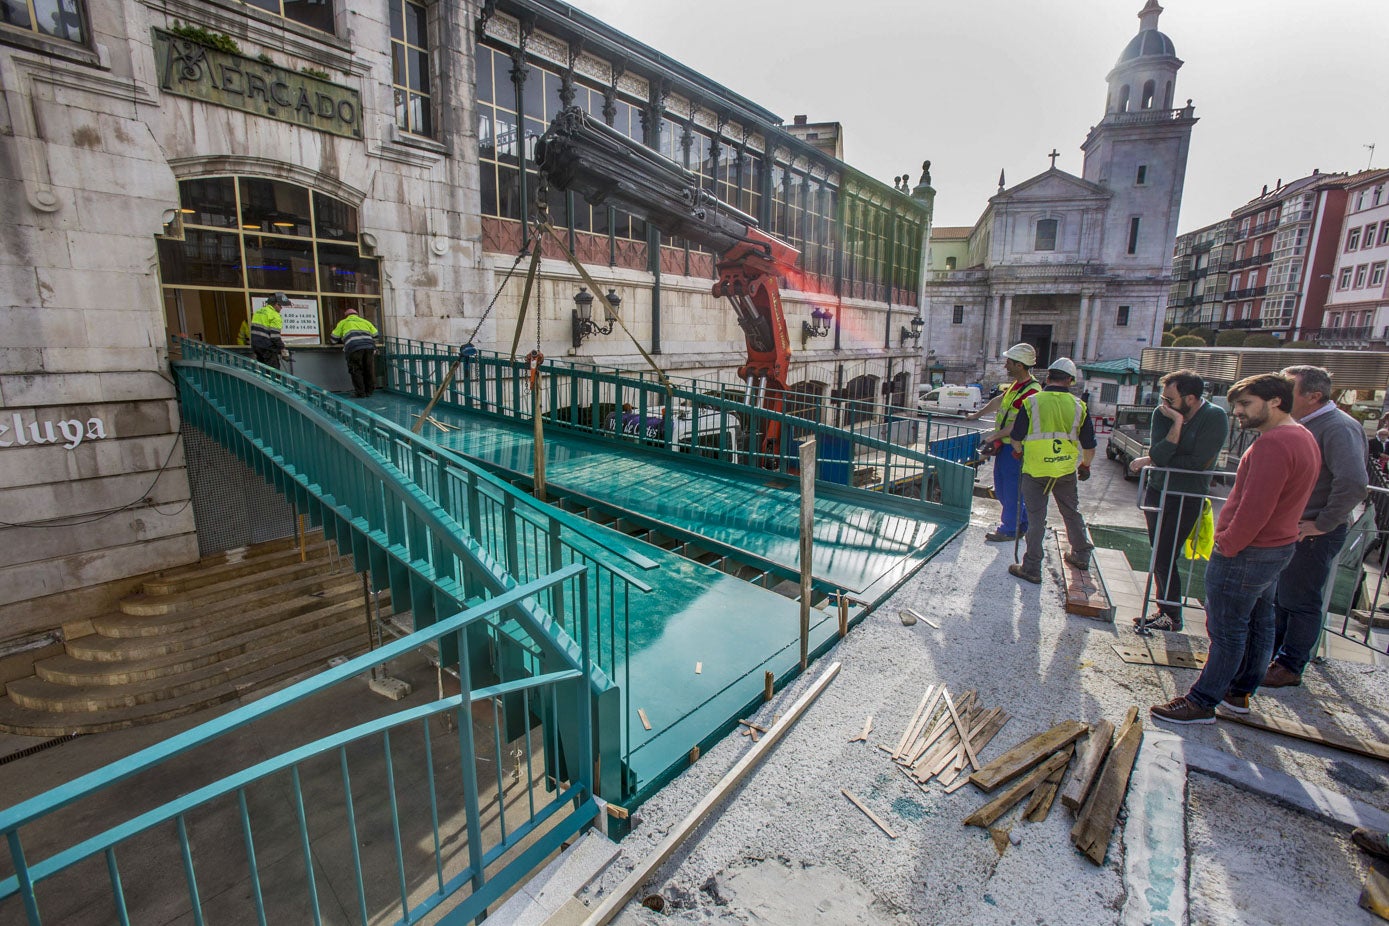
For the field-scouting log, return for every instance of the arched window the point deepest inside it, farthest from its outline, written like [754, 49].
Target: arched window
[243, 238]
[807, 400]
[1167, 96]
[1149, 89]
[950, 263]
[1123, 106]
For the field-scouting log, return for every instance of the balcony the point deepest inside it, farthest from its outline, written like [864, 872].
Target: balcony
[959, 276]
[1252, 292]
[1293, 218]
[1150, 116]
[1346, 337]
[1254, 261]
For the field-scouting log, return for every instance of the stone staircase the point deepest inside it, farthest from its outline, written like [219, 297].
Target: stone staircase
[196, 636]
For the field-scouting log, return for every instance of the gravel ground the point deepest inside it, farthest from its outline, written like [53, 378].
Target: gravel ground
[789, 848]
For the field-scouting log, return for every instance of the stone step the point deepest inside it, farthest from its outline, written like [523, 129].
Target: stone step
[120, 636]
[284, 588]
[213, 595]
[252, 564]
[23, 722]
[38, 695]
[238, 554]
[67, 670]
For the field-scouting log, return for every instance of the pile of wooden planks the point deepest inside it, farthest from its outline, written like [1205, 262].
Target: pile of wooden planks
[1035, 768]
[944, 738]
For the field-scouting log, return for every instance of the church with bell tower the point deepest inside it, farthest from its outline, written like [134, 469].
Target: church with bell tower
[1077, 266]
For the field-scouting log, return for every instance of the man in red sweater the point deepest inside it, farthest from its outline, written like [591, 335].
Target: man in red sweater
[1254, 539]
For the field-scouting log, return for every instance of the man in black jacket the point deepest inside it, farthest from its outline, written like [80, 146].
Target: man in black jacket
[1187, 433]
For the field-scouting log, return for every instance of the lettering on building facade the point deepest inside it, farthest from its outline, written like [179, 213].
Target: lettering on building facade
[16, 432]
[201, 73]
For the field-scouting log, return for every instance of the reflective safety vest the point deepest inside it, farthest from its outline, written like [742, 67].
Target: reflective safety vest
[1003, 421]
[355, 333]
[265, 329]
[1052, 445]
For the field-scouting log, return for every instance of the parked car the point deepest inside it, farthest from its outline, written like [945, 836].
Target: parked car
[1133, 425]
[949, 400]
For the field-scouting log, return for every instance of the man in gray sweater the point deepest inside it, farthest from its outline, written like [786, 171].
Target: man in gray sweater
[1342, 484]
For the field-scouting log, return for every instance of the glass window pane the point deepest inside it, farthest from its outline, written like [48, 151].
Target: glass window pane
[270, 6]
[335, 307]
[534, 91]
[484, 75]
[15, 13]
[504, 91]
[398, 75]
[402, 115]
[487, 145]
[274, 207]
[508, 193]
[397, 21]
[336, 219]
[203, 258]
[341, 269]
[489, 189]
[416, 25]
[506, 138]
[59, 18]
[419, 71]
[279, 264]
[317, 14]
[420, 119]
[209, 201]
[553, 104]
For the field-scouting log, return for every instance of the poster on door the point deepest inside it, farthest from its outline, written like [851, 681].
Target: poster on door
[300, 318]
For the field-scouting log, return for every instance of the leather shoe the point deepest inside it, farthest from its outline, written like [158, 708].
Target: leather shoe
[1015, 570]
[999, 537]
[1081, 562]
[1372, 841]
[1280, 676]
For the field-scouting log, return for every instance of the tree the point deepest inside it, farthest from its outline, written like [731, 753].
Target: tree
[1178, 330]
[1261, 339]
[1167, 338]
[1231, 338]
[1205, 334]
[1188, 340]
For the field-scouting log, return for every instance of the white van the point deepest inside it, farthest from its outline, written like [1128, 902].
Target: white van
[949, 400]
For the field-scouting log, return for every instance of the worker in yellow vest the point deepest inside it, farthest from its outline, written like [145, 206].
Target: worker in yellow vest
[1055, 439]
[266, 323]
[1018, 361]
[358, 339]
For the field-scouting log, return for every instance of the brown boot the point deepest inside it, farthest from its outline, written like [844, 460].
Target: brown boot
[1280, 676]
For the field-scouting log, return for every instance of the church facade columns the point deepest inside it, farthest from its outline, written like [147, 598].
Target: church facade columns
[1005, 324]
[1092, 342]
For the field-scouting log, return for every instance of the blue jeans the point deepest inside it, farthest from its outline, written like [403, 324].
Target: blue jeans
[1239, 620]
[1007, 473]
[1297, 608]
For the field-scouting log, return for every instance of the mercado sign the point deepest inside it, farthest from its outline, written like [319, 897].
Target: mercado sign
[201, 73]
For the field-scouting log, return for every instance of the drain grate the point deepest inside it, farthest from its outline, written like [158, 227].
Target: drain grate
[38, 747]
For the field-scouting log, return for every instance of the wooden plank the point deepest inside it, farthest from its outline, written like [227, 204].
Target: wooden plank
[869, 814]
[922, 617]
[981, 738]
[1039, 806]
[1027, 754]
[940, 728]
[1085, 592]
[902, 743]
[956, 754]
[644, 722]
[1095, 825]
[699, 668]
[623, 892]
[985, 816]
[862, 737]
[946, 746]
[1294, 728]
[1158, 654]
[1088, 766]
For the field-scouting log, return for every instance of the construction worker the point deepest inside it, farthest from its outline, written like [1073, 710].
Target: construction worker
[1055, 439]
[1018, 361]
[358, 339]
[266, 323]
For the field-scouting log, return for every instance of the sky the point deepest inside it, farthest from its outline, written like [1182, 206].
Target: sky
[1280, 86]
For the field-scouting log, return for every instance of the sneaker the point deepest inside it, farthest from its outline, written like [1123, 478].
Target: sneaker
[1233, 704]
[1374, 842]
[1034, 577]
[1078, 560]
[999, 537]
[1161, 621]
[1181, 710]
[1280, 676]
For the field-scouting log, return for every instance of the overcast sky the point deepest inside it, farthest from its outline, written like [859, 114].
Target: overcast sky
[1280, 86]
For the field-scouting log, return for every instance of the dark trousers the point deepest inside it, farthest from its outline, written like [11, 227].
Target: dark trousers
[361, 366]
[1297, 611]
[267, 356]
[1035, 492]
[1167, 531]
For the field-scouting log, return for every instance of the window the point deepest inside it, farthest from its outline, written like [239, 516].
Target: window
[1344, 281]
[1353, 239]
[1121, 318]
[1234, 281]
[1109, 393]
[1142, 174]
[410, 67]
[1369, 237]
[950, 263]
[1133, 235]
[1377, 274]
[957, 315]
[1378, 195]
[315, 13]
[1384, 233]
[57, 19]
[1360, 275]
[1336, 320]
[1046, 235]
[1149, 91]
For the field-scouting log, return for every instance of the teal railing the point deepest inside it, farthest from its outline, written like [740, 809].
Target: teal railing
[727, 427]
[455, 840]
[376, 487]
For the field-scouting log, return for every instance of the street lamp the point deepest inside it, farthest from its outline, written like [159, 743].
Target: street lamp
[584, 325]
[819, 327]
[914, 334]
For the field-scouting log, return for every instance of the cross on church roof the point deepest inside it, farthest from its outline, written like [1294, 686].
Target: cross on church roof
[1053, 154]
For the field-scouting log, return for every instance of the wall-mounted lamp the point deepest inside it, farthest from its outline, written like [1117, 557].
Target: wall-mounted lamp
[914, 333]
[818, 327]
[584, 325]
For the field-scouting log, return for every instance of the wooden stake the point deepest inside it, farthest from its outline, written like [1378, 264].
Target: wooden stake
[843, 615]
[768, 686]
[916, 718]
[807, 463]
[644, 722]
[869, 814]
[964, 732]
[699, 668]
[303, 539]
[619, 896]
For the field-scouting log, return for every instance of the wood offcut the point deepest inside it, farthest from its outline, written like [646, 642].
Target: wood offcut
[985, 816]
[869, 814]
[1088, 765]
[1095, 824]
[1027, 754]
[1303, 731]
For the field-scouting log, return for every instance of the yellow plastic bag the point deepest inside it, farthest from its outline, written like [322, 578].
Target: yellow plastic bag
[1201, 541]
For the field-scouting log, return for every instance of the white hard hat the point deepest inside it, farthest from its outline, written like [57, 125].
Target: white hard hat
[1025, 354]
[1065, 365]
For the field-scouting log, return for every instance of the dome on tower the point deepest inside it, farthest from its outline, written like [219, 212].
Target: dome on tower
[1149, 43]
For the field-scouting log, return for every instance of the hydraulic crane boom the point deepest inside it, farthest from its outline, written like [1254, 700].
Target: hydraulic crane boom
[585, 156]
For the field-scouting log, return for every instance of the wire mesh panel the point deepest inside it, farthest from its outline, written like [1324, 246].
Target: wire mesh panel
[232, 505]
